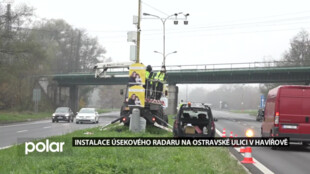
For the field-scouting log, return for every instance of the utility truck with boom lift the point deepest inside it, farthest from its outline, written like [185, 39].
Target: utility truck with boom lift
[138, 93]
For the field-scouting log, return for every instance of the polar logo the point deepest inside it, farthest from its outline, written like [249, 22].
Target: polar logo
[41, 147]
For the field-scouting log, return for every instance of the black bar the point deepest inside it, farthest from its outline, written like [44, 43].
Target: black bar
[173, 142]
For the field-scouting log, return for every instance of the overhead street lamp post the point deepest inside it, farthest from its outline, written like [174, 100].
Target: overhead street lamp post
[163, 20]
[165, 56]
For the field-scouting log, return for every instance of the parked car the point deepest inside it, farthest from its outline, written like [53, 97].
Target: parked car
[287, 113]
[89, 115]
[194, 121]
[260, 114]
[64, 114]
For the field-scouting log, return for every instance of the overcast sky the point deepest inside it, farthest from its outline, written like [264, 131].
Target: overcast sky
[221, 31]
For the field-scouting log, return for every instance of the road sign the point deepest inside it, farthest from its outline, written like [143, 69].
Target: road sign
[36, 95]
[262, 101]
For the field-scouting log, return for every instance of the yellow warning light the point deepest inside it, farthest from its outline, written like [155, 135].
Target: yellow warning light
[249, 133]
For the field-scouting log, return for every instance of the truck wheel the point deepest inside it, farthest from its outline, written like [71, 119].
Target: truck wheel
[274, 147]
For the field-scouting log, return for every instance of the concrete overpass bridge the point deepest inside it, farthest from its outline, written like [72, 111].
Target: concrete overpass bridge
[254, 72]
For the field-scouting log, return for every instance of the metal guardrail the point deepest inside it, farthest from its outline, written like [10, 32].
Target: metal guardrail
[231, 66]
[203, 67]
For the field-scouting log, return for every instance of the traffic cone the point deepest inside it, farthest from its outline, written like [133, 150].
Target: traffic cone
[242, 149]
[224, 133]
[231, 135]
[248, 156]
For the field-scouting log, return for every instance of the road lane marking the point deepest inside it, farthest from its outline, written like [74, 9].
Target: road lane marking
[257, 164]
[47, 121]
[5, 147]
[47, 127]
[263, 168]
[21, 131]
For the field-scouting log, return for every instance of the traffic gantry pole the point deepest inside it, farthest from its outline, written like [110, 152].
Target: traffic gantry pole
[138, 32]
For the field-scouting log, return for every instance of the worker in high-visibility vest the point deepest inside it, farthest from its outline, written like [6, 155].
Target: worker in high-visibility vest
[148, 80]
[153, 85]
[161, 77]
[180, 104]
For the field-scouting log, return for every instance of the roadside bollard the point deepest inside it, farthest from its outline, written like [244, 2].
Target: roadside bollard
[134, 125]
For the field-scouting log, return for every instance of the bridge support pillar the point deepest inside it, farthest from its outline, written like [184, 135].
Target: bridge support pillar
[74, 98]
[53, 93]
[173, 91]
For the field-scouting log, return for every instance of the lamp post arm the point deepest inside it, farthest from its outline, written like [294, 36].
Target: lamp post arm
[169, 54]
[164, 20]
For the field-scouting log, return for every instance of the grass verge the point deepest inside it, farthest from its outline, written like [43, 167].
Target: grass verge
[250, 112]
[10, 117]
[100, 111]
[171, 119]
[120, 159]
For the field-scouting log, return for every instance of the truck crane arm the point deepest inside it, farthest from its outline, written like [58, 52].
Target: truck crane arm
[101, 68]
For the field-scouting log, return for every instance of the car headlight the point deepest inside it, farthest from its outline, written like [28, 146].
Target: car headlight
[54, 114]
[67, 115]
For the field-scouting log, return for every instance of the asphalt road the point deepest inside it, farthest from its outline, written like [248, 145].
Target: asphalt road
[294, 159]
[9, 134]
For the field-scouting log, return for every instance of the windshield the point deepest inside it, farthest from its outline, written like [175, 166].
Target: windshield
[61, 110]
[87, 110]
[195, 113]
